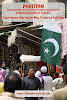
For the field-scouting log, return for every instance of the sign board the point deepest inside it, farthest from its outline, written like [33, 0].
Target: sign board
[31, 12]
[34, 93]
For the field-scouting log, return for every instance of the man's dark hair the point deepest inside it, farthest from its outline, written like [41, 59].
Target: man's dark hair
[18, 66]
[56, 74]
[31, 68]
[12, 82]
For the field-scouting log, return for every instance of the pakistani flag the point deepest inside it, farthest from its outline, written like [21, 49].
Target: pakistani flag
[51, 47]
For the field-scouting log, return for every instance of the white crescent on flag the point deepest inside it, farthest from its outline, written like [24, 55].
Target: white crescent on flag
[55, 43]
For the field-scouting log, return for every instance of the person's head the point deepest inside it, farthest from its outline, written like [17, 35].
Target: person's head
[43, 69]
[31, 72]
[65, 72]
[3, 64]
[38, 74]
[18, 67]
[56, 75]
[12, 82]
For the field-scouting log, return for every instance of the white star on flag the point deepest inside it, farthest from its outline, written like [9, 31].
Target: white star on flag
[46, 50]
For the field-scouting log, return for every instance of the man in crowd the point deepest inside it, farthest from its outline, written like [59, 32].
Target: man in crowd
[18, 69]
[61, 94]
[46, 80]
[2, 74]
[31, 83]
[38, 74]
[57, 82]
[12, 82]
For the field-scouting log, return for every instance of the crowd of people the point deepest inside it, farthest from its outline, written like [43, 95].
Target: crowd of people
[40, 80]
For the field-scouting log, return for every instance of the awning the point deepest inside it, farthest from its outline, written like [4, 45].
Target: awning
[29, 58]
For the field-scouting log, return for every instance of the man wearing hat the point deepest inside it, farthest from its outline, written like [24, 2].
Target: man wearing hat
[61, 94]
[46, 80]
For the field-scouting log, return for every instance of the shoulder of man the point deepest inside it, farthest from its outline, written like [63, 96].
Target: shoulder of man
[60, 94]
[9, 98]
[48, 77]
[25, 79]
[37, 78]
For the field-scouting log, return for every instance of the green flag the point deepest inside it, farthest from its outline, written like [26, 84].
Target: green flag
[51, 47]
